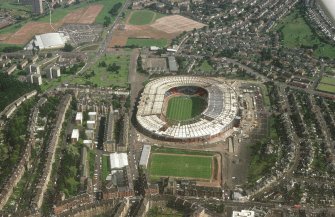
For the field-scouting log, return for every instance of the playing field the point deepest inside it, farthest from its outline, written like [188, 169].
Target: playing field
[143, 17]
[144, 42]
[188, 166]
[183, 107]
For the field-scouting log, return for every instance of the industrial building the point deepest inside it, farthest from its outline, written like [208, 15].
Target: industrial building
[52, 40]
[144, 160]
[118, 161]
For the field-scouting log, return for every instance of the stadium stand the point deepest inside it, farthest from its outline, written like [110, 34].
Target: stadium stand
[216, 119]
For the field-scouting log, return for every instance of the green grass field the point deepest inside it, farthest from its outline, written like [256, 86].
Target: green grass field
[183, 108]
[190, 166]
[328, 80]
[297, 33]
[145, 42]
[143, 17]
[105, 167]
[326, 88]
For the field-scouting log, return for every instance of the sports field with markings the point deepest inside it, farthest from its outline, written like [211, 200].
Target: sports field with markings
[182, 108]
[180, 165]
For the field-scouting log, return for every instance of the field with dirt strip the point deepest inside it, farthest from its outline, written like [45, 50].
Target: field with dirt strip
[83, 15]
[26, 33]
[167, 27]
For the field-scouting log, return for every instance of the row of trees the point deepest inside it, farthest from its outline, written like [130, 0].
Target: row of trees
[113, 12]
[11, 89]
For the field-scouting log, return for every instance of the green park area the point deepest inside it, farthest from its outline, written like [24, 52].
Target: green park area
[180, 165]
[143, 17]
[297, 33]
[147, 42]
[184, 107]
[109, 71]
[261, 162]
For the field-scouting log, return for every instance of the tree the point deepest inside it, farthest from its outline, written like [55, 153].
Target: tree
[68, 47]
[107, 21]
[113, 68]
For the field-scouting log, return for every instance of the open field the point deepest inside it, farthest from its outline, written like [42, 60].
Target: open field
[328, 80]
[326, 88]
[104, 78]
[188, 166]
[27, 32]
[167, 27]
[176, 23]
[297, 33]
[141, 17]
[183, 108]
[144, 42]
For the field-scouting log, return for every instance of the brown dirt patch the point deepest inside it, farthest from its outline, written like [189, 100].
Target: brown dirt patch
[74, 16]
[121, 34]
[83, 15]
[176, 24]
[4, 36]
[27, 32]
[166, 27]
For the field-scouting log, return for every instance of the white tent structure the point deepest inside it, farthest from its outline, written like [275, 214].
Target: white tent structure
[52, 40]
[118, 161]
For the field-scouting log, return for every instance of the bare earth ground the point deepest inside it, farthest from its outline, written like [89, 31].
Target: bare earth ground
[26, 33]
[166, 27]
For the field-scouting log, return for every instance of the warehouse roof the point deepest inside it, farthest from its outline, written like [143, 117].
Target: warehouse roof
[118, 160]
[48, 41]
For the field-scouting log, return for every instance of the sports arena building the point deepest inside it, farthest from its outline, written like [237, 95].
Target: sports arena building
[218, 117]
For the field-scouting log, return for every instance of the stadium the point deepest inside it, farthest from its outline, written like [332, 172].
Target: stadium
[187, 109]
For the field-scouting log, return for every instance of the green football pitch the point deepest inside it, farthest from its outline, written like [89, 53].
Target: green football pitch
[183, 107]
[188, 166]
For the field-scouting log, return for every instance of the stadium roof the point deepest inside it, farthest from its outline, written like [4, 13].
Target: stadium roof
[330, 5]
[48, 41]
[118, 160]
